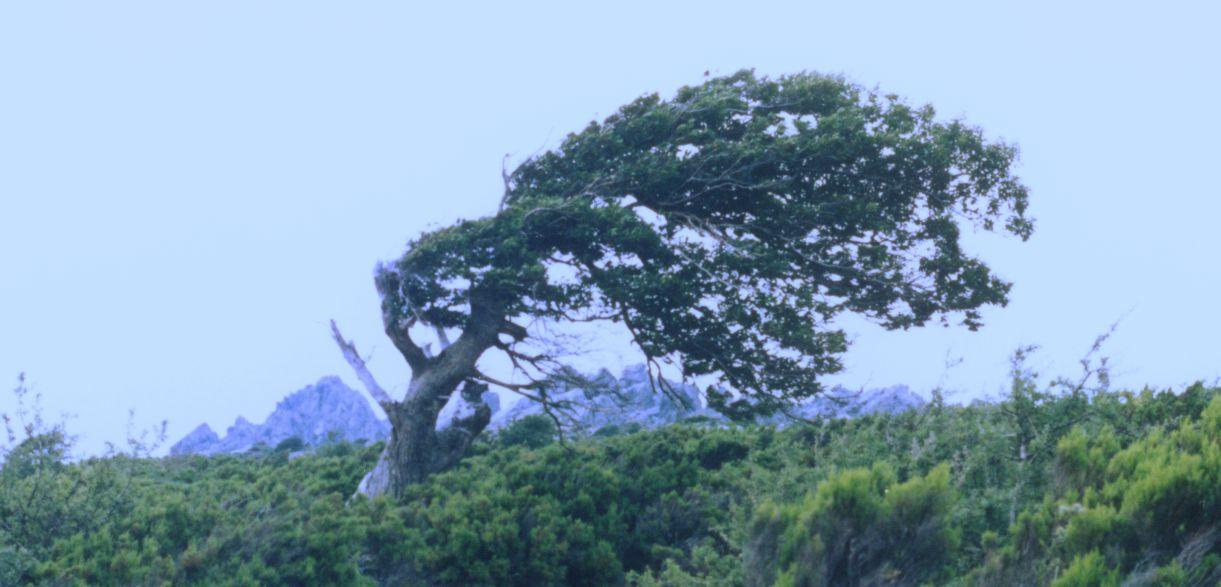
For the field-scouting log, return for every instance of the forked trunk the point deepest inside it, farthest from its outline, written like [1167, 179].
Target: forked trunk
[416, 450]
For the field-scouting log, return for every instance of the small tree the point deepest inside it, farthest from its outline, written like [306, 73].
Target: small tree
[724, 229]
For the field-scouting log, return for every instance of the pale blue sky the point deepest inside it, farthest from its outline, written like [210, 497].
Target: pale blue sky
[188, 191]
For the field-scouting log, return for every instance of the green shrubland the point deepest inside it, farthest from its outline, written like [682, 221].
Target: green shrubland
[1052, 487]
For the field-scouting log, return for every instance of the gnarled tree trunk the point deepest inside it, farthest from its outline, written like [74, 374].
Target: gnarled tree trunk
[416, 448]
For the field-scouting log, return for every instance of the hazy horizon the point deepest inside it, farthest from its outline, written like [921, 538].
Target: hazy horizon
[190, 193]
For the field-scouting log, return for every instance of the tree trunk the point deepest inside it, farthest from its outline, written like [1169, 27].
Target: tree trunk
[416, 449]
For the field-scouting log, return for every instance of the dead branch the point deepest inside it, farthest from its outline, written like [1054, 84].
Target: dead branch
[348, 348]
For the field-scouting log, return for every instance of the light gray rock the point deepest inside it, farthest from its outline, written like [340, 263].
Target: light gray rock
[316, 412]
[329, 409]
[631, 399]
[602, 400]
[840, 402]
[201, 440]
[326, 410]
[458, 407]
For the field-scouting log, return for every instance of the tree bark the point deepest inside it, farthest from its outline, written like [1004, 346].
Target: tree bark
[416, 448]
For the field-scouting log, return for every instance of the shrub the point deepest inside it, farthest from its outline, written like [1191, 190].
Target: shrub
[859, 527]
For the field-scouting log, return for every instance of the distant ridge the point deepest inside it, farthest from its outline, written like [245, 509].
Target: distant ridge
[329, 409]
[630, 400]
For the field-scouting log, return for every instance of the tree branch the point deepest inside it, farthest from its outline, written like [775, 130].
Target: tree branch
[348, 348]
[508, 180]
[559, 412]
[397, 323]
[442, 337]
[441, 374]
[399, 331]
[514, 387]
[517, 331]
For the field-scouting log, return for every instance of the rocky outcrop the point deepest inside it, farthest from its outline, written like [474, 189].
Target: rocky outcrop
[631, 400]
[327, 410]
[602, 400]
[201, 440]
[331, 410]
[840, 402]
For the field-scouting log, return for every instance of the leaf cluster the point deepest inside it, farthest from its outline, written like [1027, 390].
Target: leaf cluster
[726, 227]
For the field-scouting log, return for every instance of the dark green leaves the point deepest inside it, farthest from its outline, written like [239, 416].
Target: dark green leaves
[727, 226]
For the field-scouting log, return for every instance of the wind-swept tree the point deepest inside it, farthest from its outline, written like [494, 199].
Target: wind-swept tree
[723, 228]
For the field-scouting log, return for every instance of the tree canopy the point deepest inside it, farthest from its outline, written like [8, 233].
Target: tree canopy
[725, 228]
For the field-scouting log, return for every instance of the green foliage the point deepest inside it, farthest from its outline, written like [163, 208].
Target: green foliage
[1089, 570]
[534, 431]
[1157, 499]
[1170, 575]
[921, 497]
[291, 444]
[727, 226]
[859, 527]
[1082, 460]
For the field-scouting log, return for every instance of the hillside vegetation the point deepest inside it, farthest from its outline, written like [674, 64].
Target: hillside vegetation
[1066, 488]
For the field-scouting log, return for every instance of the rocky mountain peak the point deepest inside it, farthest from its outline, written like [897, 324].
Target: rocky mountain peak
[329, 409]
[326, 410]
[197, 441]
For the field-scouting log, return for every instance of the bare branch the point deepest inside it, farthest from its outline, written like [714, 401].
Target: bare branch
[517, 331]
[442, 337]
[399, 331]
[508, 180]
[560, 412]
[348, 348]
[514, 387]
[395, 320]
[1090, 369]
